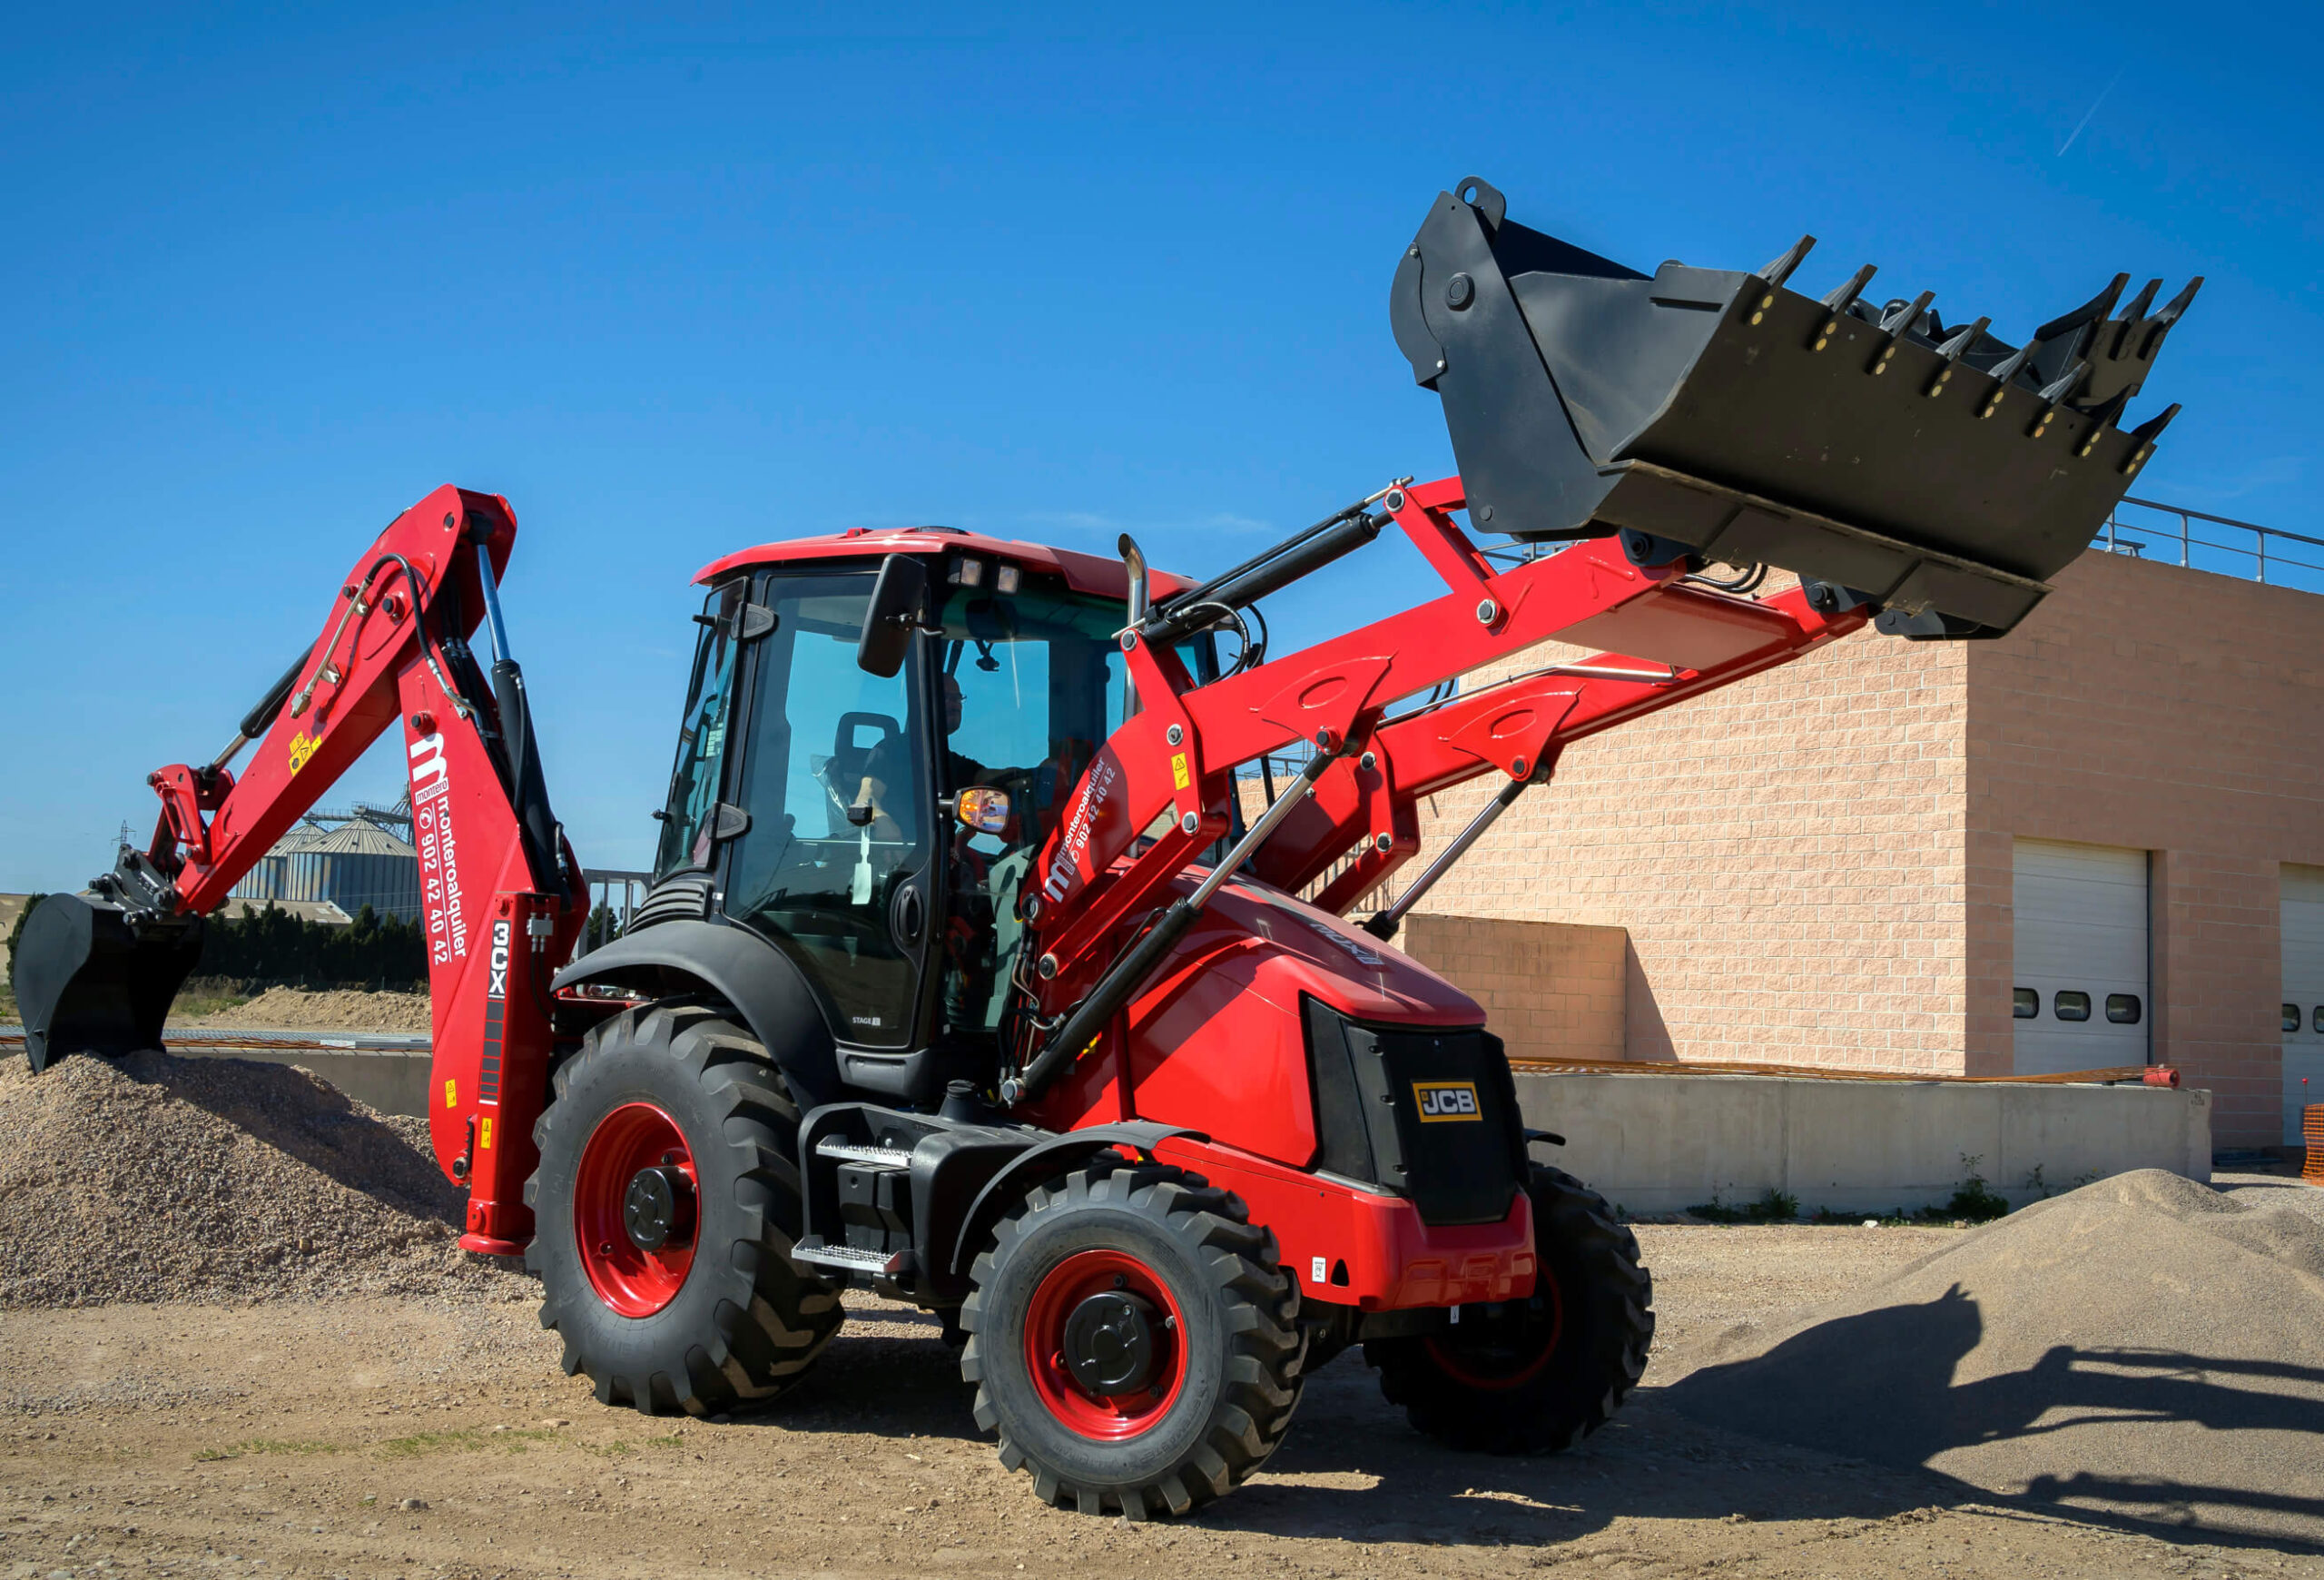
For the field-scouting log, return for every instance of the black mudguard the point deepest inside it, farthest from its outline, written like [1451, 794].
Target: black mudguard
[757, 979]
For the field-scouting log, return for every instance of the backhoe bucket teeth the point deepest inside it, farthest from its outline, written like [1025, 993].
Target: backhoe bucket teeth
[89, 980]
[1937, 471]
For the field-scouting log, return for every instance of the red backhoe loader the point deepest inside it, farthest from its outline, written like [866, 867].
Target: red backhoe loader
[968, 977]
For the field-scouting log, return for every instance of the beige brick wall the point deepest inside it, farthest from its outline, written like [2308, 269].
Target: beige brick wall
[2176, 712]
[1549, 989]
[1785, 856]
[1815, 866]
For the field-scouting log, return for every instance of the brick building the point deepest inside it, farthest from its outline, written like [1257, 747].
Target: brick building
[1879, 857]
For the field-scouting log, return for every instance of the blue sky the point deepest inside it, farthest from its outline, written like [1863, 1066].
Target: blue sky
[676, 284]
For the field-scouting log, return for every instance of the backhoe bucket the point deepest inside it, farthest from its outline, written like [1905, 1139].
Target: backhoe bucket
[89, 980]
[1936, 471]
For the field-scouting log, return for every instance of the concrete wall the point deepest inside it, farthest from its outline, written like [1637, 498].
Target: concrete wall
[1663, 1144]
[1549, 989]
[389, 1081]
[2172, 711]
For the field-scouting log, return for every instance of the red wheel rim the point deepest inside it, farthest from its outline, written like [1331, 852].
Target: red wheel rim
[1106, 1418]
[633, 1281]
[1495, 1368]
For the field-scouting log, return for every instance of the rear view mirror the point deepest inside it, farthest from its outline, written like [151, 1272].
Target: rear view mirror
[888, 625]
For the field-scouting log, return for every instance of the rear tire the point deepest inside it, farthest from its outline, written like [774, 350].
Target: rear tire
[719, 1317]
[1224, 1359]
[1548, 1371]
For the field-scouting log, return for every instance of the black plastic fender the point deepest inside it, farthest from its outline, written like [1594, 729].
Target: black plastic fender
[1045, 1161]
[757, 979]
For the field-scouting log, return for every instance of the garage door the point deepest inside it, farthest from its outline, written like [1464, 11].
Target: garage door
[2303, 936]
[2081, 982]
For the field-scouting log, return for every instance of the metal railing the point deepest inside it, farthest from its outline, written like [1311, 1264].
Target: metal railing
[2221, 544]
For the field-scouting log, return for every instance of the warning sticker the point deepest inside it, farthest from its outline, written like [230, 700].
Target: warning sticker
[1179, 777]
[302, 746]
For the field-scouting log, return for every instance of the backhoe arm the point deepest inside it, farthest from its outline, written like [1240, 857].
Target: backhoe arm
[502, 898]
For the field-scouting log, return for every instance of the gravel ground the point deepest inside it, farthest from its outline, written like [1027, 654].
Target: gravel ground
[285, 1009]
[152, 1178]
[2144, 1346]
[208, 1397]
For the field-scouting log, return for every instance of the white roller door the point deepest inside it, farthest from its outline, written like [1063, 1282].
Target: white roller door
[2303, 1009]
[2081, 992]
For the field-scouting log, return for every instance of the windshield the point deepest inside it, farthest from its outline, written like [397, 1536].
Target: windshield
[689, 816]
[1032, 684]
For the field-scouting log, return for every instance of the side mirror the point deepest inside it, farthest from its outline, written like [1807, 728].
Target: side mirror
[983, 808]
[895, 610]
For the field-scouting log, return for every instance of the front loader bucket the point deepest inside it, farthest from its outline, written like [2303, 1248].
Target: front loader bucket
[1932, 470]
[89, 980]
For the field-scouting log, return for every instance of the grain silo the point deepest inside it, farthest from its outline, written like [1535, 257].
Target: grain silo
[351, 859]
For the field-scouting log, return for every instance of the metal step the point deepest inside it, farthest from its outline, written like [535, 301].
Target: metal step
[872, 1157]
[854, 1258]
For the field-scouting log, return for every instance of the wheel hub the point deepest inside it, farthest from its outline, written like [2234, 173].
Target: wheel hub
[657, 1209]
[1109, 1342]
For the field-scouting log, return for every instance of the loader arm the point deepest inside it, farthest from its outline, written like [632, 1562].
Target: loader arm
[1170, 770]
[502, 898]
[1660, 424]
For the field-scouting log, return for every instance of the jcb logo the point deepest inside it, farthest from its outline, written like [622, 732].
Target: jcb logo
[1446, 1099]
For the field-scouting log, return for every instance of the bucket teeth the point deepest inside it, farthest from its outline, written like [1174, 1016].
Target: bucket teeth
[2002, 373]
[1841, 299]
[2095, 311]
[2143, 436]
[2159, 324]
[1780, 271]
[2101, 419]
[1962, 340]
[2149, 431]
[2065, 383]
[2180, 304]
[1698, 406]
[1900, 317]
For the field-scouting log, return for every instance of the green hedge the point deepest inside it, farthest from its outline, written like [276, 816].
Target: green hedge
[269, 948]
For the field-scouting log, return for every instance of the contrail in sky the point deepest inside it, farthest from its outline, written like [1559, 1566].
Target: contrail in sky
[2089, 113]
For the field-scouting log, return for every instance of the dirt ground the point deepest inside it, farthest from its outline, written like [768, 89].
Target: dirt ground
[434, 1435]
[288, 1009]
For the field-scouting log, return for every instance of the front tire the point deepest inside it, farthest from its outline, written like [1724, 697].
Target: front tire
[664, 1209]
[1133, 1342]
[1548, 1371]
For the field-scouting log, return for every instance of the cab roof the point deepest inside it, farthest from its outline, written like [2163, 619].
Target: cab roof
[1088, 573]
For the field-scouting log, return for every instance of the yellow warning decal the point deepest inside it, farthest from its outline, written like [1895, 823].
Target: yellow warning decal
[451, 1094]
[302, 746]
[484, 1132]
[1441, 1100]
[1179, 777]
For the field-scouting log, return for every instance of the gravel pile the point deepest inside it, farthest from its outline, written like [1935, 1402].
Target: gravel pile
[2145, 1346]
[284, 1009]
[152, 1178]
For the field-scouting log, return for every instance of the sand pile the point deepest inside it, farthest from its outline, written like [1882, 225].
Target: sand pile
[152, 1178]
[2144, 1346]
[284, 1009]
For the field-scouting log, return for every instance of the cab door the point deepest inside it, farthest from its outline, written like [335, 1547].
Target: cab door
[833, 867]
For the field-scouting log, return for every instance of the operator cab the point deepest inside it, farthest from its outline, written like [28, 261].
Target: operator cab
[879, 830]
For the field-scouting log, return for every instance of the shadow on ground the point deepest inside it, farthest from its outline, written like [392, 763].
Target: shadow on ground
[1880, 1386]
[1352, 1469]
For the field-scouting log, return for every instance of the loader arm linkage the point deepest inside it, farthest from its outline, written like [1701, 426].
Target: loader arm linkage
[502, 898]
[1169, 770]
